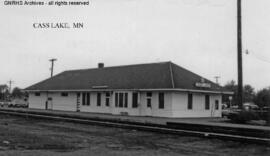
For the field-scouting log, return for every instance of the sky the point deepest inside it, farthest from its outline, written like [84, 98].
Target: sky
[199, 35]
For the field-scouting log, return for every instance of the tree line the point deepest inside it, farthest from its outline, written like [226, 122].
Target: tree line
[16, 93]
[260, 97]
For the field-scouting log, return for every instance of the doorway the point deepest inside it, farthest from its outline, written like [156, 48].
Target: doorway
[49, 103]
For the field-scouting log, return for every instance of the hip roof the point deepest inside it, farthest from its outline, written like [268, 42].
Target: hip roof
[164, 75]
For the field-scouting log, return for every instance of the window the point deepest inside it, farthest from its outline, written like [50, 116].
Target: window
[148, 98]
[64, 94]
[121, 99]
[161, 100]
[217, 104]
[116, 99]
[207, 102]
[98, 99]
[88, 99]
[134, 100]
[108, 96]
[126, 100]
[83, 99]
[37, 93]
[190, 101]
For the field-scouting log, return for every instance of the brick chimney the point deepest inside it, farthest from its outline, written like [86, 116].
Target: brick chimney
[100, 65]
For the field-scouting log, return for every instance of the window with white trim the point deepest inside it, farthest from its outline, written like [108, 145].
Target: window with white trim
[134, 100]
[121, 100]
[190, 101]
[86, 99]
[148, 99]
[161, 100]
[108, 97]
[98, 99]
[37, 93]
[207, 102]
[64, 94]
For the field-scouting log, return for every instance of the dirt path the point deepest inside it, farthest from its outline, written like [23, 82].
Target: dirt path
[20, 136]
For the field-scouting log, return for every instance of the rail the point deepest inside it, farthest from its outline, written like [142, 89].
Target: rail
[144, 127]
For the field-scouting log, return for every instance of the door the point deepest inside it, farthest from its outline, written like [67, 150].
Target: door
[212, 109]
[49, 103]
[148, 110]
[216, 109]
[147, 105]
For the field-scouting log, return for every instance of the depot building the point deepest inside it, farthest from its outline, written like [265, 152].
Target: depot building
[157, 89]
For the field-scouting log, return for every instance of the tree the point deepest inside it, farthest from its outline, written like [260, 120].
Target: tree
[230, 86]
[17, 93]
[248, 92]
[262, 97]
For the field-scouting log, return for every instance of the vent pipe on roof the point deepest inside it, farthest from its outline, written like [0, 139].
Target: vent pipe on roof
[100, 65]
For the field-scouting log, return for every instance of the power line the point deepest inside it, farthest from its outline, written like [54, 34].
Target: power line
[261, 58]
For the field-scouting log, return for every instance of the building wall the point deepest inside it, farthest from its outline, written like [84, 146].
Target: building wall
[37, 101]
[93, 104]
[155, 110]
[58, 102]
[216, 113]
[175, 104]
[66, 103]
[129, 110]
[180, 105]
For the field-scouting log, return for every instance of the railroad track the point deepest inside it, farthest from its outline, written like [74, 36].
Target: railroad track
[142, 126]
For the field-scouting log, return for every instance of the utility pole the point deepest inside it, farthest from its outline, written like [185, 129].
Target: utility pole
[217, 77]
[10, 83]
[239, 54]
[8, 97]
[52, 60]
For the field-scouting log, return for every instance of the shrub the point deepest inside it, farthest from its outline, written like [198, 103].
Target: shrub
[243, 116]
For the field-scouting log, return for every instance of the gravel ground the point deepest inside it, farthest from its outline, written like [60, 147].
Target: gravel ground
[30, 137]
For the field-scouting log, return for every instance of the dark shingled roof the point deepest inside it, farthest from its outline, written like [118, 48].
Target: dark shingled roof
[165, 75]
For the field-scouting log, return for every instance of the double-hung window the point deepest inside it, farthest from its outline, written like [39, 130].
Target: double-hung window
[134, 100]
[190, 101]
[108, 96]
[98, 99]
[148, 99]
[86, 99]
[207, 102]
[161, 100]
[121, 100]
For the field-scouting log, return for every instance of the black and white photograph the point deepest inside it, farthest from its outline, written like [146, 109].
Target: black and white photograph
[134, 77]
